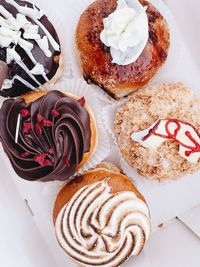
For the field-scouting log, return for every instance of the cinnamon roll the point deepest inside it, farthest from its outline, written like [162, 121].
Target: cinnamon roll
[101, 219]
[30, 47]
[121, 44]
[47, 135]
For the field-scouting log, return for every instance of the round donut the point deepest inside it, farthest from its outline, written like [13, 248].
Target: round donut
[30, 47]
[142, 110]
[95, 58]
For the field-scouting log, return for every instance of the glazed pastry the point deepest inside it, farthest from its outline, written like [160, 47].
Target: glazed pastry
[158, 131]
[121, 44]
[29, 46]
[47, 135]
[101, 219]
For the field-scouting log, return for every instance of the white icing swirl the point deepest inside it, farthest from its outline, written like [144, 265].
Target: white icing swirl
[97, 228]
[126, 31]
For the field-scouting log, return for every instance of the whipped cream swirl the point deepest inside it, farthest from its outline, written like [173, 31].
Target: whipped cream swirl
[126, 31]
[97, 228]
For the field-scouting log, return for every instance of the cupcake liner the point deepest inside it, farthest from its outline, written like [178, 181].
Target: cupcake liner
[165, 72]
[80, 88]
[58, 23]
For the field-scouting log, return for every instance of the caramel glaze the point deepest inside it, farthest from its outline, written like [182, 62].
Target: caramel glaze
[95, 57]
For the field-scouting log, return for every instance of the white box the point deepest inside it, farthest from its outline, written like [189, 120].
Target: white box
[29, 240]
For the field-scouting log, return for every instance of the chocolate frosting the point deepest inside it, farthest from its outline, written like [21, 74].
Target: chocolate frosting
[50, 64]
[54, 134]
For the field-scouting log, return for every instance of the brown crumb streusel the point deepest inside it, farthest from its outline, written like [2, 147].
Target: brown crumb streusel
[139, 112]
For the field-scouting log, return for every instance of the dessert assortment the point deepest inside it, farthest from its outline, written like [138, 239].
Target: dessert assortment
[100, 217]
[30, 52]
[121, 44]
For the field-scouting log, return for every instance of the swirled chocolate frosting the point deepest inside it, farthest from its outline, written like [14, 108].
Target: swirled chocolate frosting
[29, 45]
[54, 134]
[97, 228]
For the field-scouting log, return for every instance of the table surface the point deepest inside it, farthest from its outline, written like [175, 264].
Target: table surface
[174, 245]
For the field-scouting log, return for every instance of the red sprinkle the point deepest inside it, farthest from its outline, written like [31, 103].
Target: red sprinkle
[48, 163]
[26, 127]
[25, 113]
[82, 101]
[25, 154]
[38, 129]
[43, 121]
[40, 159]
[46, 123]
[51, 151]
[67, 163]
[39, 118]
[54, 112]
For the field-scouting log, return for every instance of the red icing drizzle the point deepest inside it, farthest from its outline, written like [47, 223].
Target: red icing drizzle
[173, 136]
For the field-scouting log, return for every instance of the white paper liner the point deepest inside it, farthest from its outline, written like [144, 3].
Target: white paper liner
[165, 73]
[59, 25]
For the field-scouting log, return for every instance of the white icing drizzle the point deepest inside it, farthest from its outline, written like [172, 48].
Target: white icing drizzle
[10, 34]
[32, 13]
[52, 41]
[44, 45]
[97, 228]
[8, 83]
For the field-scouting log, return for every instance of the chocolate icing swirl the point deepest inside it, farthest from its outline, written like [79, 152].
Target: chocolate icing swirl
[97, 228]
[19, 76]
[54, 134]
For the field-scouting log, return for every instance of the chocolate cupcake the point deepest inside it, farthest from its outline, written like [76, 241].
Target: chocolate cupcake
[30, 47]
[47, 135]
